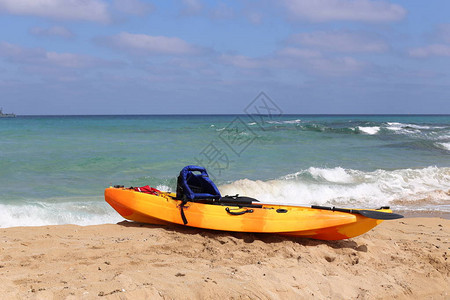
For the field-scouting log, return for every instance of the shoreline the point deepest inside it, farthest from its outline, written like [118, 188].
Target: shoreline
[405, 213]
[405, 258]
[424, 214]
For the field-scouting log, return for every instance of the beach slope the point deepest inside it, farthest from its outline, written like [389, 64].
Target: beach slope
[403, 259]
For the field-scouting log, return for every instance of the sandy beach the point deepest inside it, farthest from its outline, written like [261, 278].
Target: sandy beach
[401, 259]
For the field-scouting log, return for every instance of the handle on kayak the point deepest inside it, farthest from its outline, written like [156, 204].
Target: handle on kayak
[238, 213]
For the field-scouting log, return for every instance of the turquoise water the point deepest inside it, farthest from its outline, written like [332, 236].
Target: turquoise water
[53, 170]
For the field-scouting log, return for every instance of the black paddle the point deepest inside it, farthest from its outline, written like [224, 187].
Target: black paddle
[373, 214]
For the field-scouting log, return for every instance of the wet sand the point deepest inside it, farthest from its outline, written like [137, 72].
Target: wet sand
[400, 259]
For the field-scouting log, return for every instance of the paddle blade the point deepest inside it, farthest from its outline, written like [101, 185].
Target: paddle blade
[373, 214]
[379, 215]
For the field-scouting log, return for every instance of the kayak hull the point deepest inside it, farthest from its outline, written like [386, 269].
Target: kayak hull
[282, 219]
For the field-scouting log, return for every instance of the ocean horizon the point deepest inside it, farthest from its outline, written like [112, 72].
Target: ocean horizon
[237, 114]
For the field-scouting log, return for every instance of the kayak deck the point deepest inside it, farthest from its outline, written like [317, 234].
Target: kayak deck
[264, 218]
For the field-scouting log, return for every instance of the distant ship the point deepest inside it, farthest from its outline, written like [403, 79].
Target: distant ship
[2, 115]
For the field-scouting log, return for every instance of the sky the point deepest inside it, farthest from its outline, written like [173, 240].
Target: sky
[69, 57]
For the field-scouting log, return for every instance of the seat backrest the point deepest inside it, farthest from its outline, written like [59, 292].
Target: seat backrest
[194, 183]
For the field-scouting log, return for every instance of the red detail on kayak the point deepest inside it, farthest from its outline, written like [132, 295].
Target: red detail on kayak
[148, 190]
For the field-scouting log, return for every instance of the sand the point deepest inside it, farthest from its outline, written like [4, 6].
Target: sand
[400, 259]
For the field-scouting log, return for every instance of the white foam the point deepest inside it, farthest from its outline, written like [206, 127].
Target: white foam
[164, 188]
[401, 128]
[296, 121]
[346, 187]
[369, 129]
[445, 146]
[335, 175]
[41, 213]
[418, 126]
[394, 128]
[293, 121]
[410, 128]
[397, 124]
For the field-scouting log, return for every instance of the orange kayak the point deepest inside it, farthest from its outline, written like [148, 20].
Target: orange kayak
[309, 222]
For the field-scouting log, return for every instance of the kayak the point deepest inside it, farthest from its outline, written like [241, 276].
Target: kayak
[208, 210]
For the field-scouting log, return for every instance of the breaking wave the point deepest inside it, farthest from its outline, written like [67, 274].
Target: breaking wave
[89, 211]
[410, 189]
[369, 129]
[296, 121]
[445, 146]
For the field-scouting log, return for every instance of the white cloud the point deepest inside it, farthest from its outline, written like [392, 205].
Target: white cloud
[443, 33]
[308, 61]
[92, 10]
[336, 66]
[431, 50]
[133, 7]
[297, 60]
[222, 11]
[37, 56]
[440, 45]
[191, 7]
[52, 31]
[10, 50]
[255, 17]
[344, 10]
[296, 52]
[68, 60]
[150, 45]
[342, 41]
[240, 61]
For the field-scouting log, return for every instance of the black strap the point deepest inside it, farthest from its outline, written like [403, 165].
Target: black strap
[183, 216]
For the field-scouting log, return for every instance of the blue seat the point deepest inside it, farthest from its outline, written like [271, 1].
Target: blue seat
[194, 184]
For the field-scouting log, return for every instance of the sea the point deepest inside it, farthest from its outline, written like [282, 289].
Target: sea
[54, 169]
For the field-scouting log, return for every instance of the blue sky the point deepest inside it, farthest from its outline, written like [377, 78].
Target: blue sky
[194, 56]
